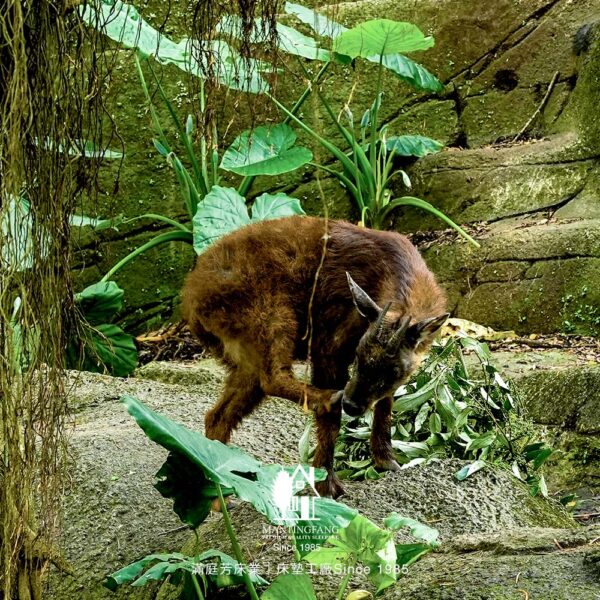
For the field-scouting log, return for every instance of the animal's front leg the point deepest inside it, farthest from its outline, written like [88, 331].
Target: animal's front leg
[328, 427]
[283, 384]
[381, 436]
[241, 395]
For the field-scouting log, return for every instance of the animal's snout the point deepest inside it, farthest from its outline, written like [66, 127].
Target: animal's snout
[350, 408]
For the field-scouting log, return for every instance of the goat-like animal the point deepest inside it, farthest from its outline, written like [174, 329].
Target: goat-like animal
[253, 300]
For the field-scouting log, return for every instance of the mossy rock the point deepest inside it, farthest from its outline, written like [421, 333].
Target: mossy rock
[113, 515]
[555, 289]
[554, 562]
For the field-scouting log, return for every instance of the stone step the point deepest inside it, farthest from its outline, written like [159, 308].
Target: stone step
[527, 276]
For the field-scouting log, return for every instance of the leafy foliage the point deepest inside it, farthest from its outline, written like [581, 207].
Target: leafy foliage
[102, 346]
[100, 302]
[366, 171]
[342, 538]
[156, 567]
[288, 585]
[362, 541]
[122, 23]
[223, 210]
[450, 410]
[267, 150]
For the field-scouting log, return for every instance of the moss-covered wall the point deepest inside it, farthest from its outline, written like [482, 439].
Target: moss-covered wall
[497, 61]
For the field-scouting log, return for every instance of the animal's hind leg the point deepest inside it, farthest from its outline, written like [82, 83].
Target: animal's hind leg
[242, 394]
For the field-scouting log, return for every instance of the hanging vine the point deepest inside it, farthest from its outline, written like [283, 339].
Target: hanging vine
[50, 102]
[210, 41]
[52, 76]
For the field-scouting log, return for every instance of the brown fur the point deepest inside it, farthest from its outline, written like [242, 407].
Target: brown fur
[248, 299]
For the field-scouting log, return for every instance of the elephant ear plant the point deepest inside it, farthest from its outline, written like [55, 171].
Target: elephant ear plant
[334, 538]
[368, 164]
[214, 210]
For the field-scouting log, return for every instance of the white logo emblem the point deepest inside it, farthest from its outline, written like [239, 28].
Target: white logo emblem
[285, 488]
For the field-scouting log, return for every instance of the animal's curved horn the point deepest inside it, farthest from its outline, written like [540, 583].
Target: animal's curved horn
[399, 333]
[378, 326]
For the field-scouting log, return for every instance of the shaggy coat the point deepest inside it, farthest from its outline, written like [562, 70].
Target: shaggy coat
[252, 299]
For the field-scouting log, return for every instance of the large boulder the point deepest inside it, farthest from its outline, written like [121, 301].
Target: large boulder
[505, 564]
[115, 516]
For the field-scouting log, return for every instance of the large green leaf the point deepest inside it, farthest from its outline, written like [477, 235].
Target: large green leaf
[298, 44]
[273, 206]
[132, 571]
[380, 37]
[290, 40]
[226, 465]
[361, 540]
[410, 71]
[412, 145]
[404, 67]
[289, 586]
[192, 493]
[100, 302]
[113, 350]
[329, 517]
[104, 348]
[122, 23]
[235, 71]
[320, 24]
[225, 574]
[196, 460]
[266, 150]
[222, 211]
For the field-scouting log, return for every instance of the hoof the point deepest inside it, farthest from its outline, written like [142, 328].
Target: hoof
[330, 487]
[387, 465]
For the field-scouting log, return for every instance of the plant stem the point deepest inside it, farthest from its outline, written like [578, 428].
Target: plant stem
[197, 587]
[158, 217]
[169, 236]
[293, 538]
[417, 202]
[346, 580]
[237, 550]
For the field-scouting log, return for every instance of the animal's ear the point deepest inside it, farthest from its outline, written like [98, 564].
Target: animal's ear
[365, 306]
[426, 330]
